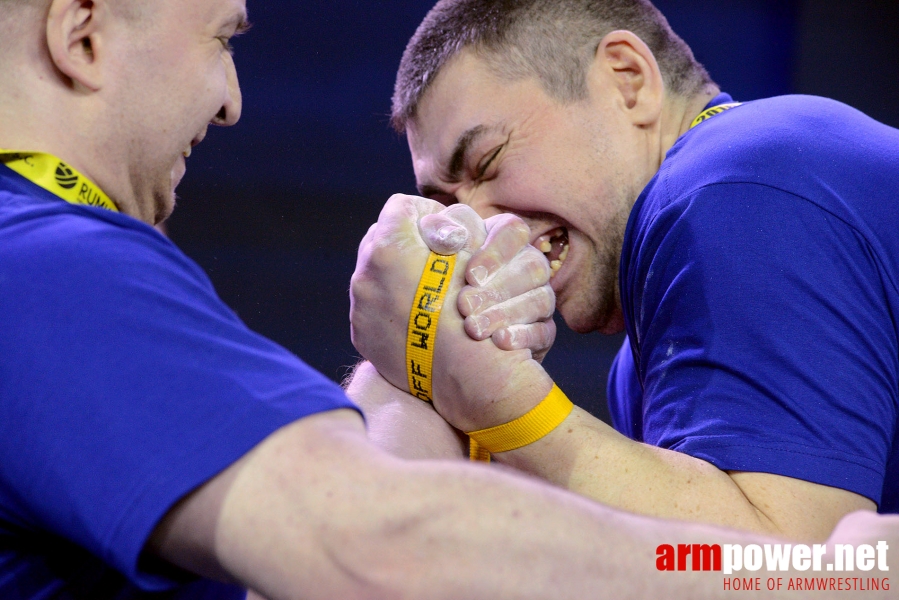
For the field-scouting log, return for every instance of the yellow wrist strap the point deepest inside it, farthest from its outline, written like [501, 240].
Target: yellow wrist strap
[422, 332]
[528, 428]
[55, 176]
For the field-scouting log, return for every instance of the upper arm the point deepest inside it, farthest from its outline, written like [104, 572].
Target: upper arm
[223, 529]
[126, 383]
[795, 508]
[317, 511]
[766, 344]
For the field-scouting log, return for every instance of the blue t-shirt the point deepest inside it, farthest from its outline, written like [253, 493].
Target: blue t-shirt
[125, 383]
[760, 287]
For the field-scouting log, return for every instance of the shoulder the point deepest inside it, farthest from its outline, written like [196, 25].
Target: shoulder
[790, 143]
[77, 246]
[812, 153]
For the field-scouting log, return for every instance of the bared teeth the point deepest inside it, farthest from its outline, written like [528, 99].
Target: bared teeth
[555, 232]
[555, 266]
[555, 246]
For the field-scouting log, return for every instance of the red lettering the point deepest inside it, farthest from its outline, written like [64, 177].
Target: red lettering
[665, 560]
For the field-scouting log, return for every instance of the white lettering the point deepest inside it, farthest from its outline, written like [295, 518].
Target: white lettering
[802, 557]
[864, 557]
[882, 556]
[752, 557]
[732, 558]
[818, 551]
[777, 557]
[845, 555]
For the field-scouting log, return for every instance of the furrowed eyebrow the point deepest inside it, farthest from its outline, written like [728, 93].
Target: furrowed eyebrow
[453, 171]
[460, 151]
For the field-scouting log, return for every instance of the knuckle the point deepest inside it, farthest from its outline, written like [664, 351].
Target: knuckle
[494, 295]
[534, 337]
[512, 225]
[504, 339]
[381, 255]
[460, 211]
[400, 202]
[497, 317]
[547, 335]
[537, 268]
[548, 300]
[492, 259]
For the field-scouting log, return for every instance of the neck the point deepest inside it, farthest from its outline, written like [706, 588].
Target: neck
[679, 114]
[68, 132]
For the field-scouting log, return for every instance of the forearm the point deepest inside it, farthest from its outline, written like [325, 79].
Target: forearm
[371, 526]
[588, 457]
[316, 512]
[400, 423]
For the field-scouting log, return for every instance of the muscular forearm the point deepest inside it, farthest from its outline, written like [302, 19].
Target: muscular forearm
[316, 512]
[330, 517]
[586, 456]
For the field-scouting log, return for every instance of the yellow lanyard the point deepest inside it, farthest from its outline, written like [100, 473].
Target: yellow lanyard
[711, 112]
[55, 176]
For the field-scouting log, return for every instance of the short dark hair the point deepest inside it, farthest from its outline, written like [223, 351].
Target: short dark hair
[554, 40]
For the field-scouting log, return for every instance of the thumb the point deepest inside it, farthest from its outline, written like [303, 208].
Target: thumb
[453, 229]
[442, 234]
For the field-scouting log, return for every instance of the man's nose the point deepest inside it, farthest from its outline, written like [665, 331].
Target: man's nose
[231, 108]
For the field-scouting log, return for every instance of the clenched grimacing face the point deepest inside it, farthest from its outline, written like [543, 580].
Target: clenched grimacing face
[571, 170]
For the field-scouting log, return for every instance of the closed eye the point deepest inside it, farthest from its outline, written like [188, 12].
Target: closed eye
[239, 27]
[486, 162]
[226, 44]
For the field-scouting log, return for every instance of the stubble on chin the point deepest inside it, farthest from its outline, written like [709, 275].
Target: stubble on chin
[165, 206]
[596, 305]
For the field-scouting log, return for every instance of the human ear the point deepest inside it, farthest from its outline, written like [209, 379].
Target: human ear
[75, 40]
[631, 70]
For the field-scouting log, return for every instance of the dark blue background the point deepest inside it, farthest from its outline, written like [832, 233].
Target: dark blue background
[274, 208]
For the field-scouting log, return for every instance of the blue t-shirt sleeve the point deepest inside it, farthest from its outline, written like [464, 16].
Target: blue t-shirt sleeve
[625, 395]
[126, 383]
[765, 340]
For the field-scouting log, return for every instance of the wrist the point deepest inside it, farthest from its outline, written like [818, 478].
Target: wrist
[504, 400]
[534, 425]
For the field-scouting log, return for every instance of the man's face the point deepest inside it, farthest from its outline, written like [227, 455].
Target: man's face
[176, 76]
[570, 170]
